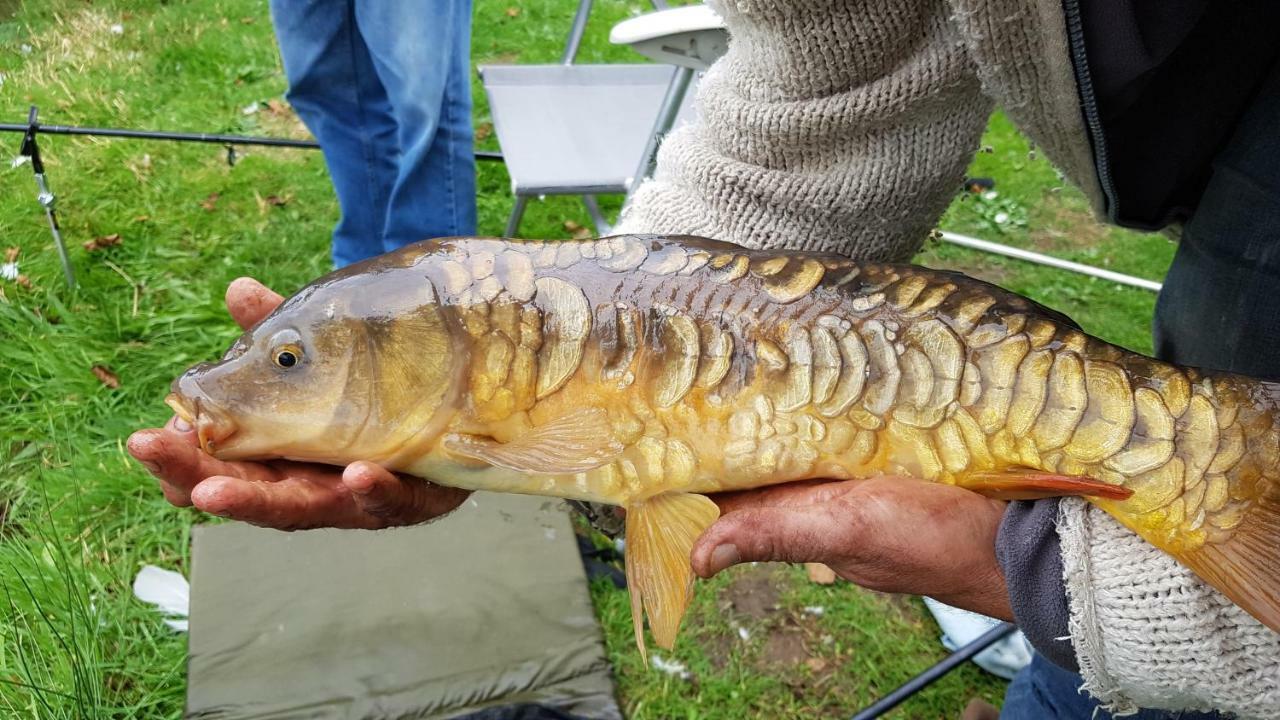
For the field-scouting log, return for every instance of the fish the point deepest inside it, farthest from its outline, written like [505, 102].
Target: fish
[649, 372]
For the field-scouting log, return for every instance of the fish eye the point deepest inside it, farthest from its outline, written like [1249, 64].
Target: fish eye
[288, 356]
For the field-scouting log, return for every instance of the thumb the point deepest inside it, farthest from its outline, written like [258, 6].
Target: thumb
[786, 534]
[249, 301]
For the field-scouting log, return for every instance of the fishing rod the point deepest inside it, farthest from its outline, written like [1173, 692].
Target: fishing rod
[44, 196]
[210, 138]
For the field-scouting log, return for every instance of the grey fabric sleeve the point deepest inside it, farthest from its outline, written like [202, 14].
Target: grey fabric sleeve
[1029, 552]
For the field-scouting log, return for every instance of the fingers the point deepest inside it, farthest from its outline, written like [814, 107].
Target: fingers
[283, 506]
[395, 500]
[365, 496]
[249, 301]
[175, 459]
[762, 534]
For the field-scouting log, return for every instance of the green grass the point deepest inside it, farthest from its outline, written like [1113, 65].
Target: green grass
[79, 518]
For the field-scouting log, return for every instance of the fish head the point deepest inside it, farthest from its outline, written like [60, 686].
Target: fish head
[357, 366]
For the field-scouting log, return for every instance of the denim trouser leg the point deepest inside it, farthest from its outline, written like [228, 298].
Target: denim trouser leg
[336, 91]
[1044, 691]
[421, 52]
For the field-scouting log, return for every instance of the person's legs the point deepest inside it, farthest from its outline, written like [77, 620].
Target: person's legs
[336, 92]
[422, 56]
[1220, 306]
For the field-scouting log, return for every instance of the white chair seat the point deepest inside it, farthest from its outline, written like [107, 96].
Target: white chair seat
[574, 129]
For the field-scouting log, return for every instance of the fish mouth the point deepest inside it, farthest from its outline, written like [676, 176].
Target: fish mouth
[213, 427]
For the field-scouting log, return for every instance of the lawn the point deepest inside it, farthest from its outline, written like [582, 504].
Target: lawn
[78, 518]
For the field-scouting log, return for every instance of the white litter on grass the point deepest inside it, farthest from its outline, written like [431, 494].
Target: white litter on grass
[670, 667]
[990, 195]
[168, 591]
[117, 29]
[1002, 218]
[960, 627]
[25, 48]
[251, 108]
[19, 161]
[815, 610]
[9, 271]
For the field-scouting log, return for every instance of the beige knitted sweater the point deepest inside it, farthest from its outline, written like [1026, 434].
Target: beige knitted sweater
[846, 125]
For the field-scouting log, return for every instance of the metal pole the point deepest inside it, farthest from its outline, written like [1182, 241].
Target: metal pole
[1048, 260]
[928, 677]
[667, 115]
[31, 150]
[576, 32]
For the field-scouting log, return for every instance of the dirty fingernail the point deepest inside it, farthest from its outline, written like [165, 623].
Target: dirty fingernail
[724, 556]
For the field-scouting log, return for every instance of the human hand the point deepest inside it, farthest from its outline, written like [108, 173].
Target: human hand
[281, 494]
[888, 534]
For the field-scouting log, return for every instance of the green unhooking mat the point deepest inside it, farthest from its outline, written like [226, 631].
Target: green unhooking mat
[487, 608]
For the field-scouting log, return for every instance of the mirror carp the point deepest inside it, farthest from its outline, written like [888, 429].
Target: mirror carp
[648, 371]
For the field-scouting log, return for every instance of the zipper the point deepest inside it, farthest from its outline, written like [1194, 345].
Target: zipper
[1089, 104]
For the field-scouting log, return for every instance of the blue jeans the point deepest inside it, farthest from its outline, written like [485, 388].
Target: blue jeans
[384, 85]
[1044, 691]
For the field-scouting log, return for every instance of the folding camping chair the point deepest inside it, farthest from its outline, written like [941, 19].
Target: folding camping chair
[584, 130]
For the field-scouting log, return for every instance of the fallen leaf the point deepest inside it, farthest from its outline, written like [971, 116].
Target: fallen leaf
[276, 107]
[577, 231]
[483, 131]
[820, 573]
[248, 20]
[513, 12]
[106, 377]
[24, 281]
[142, 218]
[816, 664]
[210, 203]
[11, 254]
[105, 241]
[277, 201]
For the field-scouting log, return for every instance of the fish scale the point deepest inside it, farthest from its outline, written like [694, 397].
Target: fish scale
[647, 371]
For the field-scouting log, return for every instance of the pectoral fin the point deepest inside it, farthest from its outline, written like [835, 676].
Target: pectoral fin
[1029, 484]
[660, 535]
[580, 441]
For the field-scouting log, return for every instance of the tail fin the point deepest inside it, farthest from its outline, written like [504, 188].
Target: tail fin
[1246, 566]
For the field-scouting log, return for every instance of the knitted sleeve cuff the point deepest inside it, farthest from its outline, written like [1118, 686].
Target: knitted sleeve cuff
[1148, 633]
[828, 126]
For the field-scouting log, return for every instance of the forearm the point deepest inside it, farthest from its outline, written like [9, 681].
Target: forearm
[839, 127]
[1148, 632]
[1141, 629]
